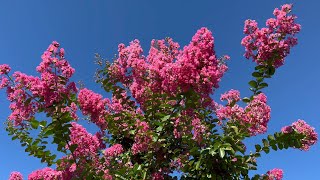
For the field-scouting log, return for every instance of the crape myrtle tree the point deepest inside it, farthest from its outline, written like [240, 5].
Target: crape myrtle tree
[161, 120]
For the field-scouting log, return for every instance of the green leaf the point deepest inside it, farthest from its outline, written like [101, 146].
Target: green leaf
[246, 100]
[165, 118]
[271, 70]
[144, 174]
[256, 177]
[14, 137]
[259, 79]
[256, 74]
[191, 162]
[198, 164]
[258, 147]
[48, 132]
[274, 147]
[270, 137]
[73, 147]
[259, 67]
[43, 123]
[155, 138]
[244, 172]
[34, 124]
[212, 152]
[235, 128]
[280, 146]
[221, 152]
[257, 155]
[159, 129]
[263, 85]
[253, 84]
[216, 146]
[265, 142]
[266, 149]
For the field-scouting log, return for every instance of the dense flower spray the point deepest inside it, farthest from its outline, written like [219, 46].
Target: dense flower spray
[29, 94]
[273, 43]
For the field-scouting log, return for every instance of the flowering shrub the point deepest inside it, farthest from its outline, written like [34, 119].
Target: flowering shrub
[161, 117]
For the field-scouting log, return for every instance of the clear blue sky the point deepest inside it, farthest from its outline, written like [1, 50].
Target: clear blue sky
[87, 27]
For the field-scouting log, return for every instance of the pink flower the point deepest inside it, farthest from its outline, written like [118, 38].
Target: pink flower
[94, 105]
[226, 57]
[231, 96]
[45, 174]
[4, 82]
[250, 26]
[300, 126]
[199, 129]
[196, 67]
[62, 52]
[4, 69]
[141, 140]
[233, 113]
[114, 150]
[275, 174]
[258, 114]
[87, 144]
[287, 129]
[15, 176]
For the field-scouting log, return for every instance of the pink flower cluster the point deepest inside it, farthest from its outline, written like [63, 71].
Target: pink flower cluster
[181, 124]
[87, 144]
[168, 70]
[4, 69]
[86, 153]
[300, 126]
[273, 43]
[95, 105]
[120, 102]
[45, 174]
[72, 109]
[275, 174]
[196, 66]
[67, 168]
[199, 129]
[15, 176]
[4, 81]
[28, 94]
[114, 150]
[141, 140]
[231, 96]
[18, 95]
[53, 59]
[256, 113]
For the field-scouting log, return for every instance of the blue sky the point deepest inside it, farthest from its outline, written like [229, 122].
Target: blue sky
[87, 27]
